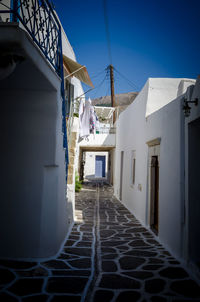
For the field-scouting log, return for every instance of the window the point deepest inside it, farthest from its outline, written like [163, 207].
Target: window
[69, 97]
[133, 164]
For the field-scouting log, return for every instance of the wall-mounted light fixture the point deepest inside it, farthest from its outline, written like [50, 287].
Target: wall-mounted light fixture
[8, 63]
[187, 108]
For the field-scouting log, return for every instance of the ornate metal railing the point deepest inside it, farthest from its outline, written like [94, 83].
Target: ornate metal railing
[38, 18]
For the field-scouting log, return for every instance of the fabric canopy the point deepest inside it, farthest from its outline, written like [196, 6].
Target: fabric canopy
[77, 70]
[104, 114]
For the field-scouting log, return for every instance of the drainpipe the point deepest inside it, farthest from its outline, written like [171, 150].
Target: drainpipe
[15, 7]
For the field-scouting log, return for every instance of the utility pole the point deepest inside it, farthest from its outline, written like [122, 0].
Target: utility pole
[112, 89]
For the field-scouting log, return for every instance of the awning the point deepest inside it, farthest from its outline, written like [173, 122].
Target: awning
[104, 114]
[77, 70]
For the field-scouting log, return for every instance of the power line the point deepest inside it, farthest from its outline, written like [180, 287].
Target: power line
[97, 74]
[107, 91]
[134, 86]
[107, 30]
[101, 83]
[78, 97]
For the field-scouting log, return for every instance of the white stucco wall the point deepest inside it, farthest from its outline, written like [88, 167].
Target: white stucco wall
[69, 52]
[159, 96]
[164, 123]
[34, 216]
[33, 209]
[78, 91]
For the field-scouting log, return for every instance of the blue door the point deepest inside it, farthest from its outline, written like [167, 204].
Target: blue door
[100, 166]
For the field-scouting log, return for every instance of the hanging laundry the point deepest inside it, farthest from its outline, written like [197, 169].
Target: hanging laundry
[81, 108]
[85, 119]
[92, 120]
[97, 125]
[88, 120]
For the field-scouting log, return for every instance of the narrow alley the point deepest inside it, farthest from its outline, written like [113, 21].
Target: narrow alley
[123, 128]
[109, 256]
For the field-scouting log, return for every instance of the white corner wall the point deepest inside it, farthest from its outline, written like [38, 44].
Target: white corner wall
[162, 91]
[131, 122]
[164, 123]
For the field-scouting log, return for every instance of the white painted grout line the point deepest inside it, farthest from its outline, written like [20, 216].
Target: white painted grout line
[95, 218]
[98, 248]
[64, 241]
[98, 233]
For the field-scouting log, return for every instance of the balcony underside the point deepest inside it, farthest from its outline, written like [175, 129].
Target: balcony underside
[33, 70]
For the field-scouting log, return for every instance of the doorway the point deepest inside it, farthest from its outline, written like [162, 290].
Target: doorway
[154, 194]
[100, 164]
[194, 192]
[121, 175]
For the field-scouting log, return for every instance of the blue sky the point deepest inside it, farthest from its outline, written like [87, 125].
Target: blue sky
[149, 38]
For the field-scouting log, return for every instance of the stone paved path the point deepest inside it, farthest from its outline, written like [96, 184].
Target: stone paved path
[109, 256]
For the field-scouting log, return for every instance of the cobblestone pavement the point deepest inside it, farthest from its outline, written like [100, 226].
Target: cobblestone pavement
[109, 256]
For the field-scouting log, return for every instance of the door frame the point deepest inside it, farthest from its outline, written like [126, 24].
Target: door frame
[154, 194]
[153, 151]
[103, 157]
[193, 195]
[121, 174]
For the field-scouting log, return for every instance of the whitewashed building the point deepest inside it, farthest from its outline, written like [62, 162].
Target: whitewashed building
[96, 152]
[157, 163]
[34, 211]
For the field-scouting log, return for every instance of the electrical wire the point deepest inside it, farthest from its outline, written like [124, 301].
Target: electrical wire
[134, 86]
[97, 74]
[101, 83]
[78, 97]
[3, 4]
[125, 78]
[107, 94]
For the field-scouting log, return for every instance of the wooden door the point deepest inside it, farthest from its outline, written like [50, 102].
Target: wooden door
[121, 174]
[154, 220]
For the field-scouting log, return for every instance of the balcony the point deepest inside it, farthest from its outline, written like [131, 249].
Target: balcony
[106, 130]
[39, 20]
[104, 136]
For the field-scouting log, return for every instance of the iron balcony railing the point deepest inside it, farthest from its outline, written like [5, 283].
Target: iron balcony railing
[38, 18]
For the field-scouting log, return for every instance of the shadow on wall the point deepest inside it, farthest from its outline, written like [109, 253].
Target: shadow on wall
[90, 176]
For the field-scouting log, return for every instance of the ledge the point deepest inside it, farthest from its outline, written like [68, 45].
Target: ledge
[154, 142]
